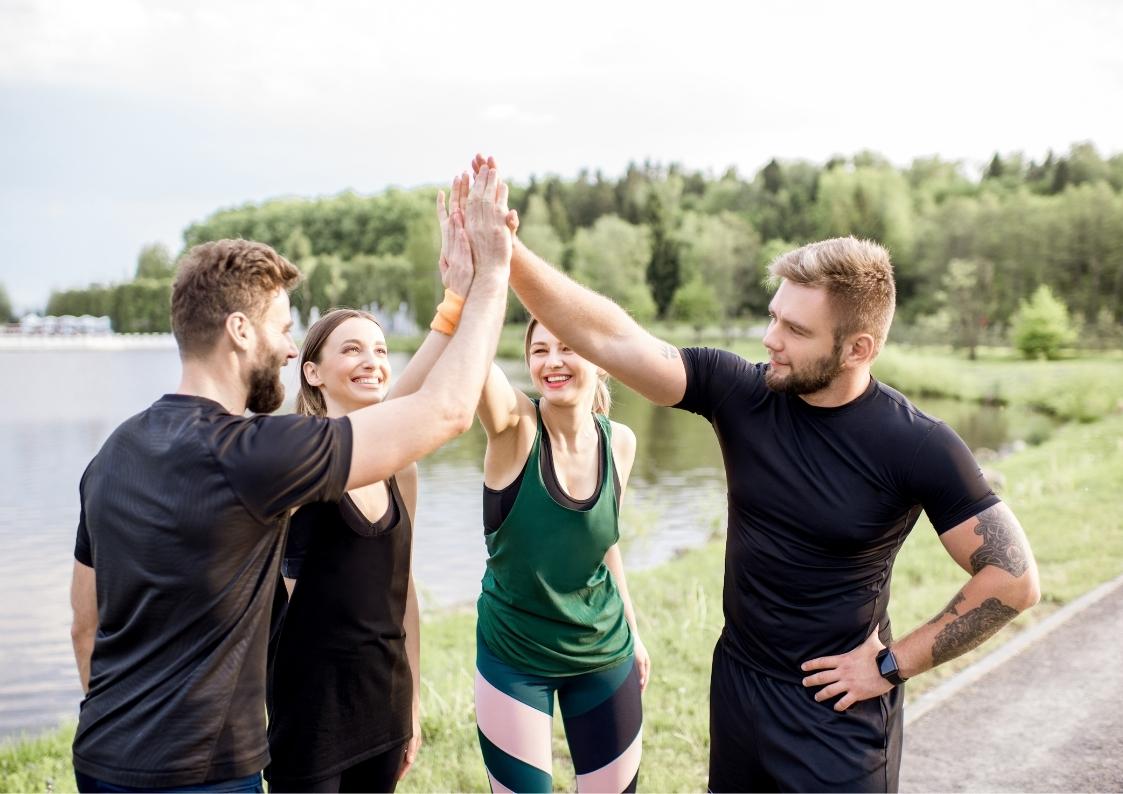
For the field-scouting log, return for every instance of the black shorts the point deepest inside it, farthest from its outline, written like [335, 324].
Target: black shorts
[771, 735]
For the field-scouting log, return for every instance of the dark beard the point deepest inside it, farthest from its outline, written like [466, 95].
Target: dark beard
[266, 390]
[818, 376]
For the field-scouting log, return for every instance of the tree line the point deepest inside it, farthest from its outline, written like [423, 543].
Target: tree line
[969, 250]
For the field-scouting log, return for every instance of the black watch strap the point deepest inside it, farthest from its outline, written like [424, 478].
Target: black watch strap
[887, 666]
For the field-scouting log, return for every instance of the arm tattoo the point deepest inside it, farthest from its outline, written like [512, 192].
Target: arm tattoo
[970, 630]
[1002, 543]
[950, 609]
[668, 351]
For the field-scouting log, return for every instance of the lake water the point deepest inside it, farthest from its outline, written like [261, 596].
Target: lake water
[60, 405]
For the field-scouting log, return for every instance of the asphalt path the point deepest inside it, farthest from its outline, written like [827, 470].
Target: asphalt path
[1043, 713]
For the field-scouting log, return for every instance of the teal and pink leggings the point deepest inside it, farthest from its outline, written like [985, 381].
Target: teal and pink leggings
[514, 716]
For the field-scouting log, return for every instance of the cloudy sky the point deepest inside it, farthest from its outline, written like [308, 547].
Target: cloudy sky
[122, 121]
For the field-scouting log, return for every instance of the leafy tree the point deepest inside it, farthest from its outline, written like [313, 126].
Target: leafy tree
[142, 306]
[327, 282]
[663, 268]
[6, 314]
[1042, 326]
[155, 262]
[612, 257]
[968, 287]
[723, 250]
[696, 303]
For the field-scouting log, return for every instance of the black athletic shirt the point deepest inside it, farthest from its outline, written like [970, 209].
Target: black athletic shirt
[183, 517]
[342, 688]
[820, 501]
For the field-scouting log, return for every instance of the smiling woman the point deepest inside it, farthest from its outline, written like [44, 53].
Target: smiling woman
[344, 700]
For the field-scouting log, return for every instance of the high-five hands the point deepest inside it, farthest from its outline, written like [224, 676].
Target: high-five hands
[456, 254]
[478, 162]
[486, 216]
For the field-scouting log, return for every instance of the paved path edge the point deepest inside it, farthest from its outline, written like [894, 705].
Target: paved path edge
[1009, 650]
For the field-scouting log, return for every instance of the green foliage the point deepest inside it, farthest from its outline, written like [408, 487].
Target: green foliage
[696, 303]
[155, 262]
[612, 258]
[6, 314]
[1057, 222]
[1042, 326]
[968, 287]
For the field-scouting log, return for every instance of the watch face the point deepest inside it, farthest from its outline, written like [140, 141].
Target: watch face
[887, 666]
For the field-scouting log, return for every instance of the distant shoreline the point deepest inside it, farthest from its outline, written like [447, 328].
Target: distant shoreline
[36, 342]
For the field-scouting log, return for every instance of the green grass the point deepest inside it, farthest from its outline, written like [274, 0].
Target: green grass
[1065, 492]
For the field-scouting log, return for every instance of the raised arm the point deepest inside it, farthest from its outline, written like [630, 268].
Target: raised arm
[393, 434]
[598, 329]
[992, 547]
[455, 264]
[595, 326]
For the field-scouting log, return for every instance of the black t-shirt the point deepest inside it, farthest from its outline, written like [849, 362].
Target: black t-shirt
[183, 517]
[820, 501]
[342, 688]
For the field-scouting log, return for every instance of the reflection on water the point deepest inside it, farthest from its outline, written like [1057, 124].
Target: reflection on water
[67, 402]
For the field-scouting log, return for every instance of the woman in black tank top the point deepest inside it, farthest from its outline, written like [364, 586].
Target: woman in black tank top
[344, 700]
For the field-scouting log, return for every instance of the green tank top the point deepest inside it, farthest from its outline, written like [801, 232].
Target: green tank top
[549, 605]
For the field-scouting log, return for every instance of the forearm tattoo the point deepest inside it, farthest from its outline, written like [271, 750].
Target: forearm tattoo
[971, 630]
[1003, 546]
[668, 351]
[950, 609]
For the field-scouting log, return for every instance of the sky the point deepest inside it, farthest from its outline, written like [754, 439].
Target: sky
[124, 121]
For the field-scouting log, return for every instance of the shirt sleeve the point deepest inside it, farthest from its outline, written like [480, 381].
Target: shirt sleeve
[276, 463]
[948, 480]
[711, 376]
[296, 546]
[83, 553]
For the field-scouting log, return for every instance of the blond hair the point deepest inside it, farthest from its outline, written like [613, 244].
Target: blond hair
[602, 396]
[857, 276]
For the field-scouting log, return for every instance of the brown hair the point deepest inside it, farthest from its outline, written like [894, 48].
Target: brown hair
[856, 274]
[602, 397]
[310, 400]
[214, 280]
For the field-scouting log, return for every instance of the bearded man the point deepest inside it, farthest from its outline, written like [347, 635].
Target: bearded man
[186, 506]
[827, 472]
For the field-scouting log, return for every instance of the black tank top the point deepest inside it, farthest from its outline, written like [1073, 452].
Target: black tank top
[342, 689]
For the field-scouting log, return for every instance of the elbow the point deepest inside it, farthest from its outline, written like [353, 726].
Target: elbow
[458, 419]
[1032, 593]
[1029, 591]
[82, 634]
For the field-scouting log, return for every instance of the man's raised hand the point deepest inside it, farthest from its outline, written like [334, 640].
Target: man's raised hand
[486, 220]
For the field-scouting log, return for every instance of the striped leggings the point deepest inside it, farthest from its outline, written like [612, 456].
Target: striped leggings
[601, 712]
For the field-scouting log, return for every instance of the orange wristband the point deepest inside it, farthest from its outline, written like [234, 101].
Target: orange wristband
[448, 314]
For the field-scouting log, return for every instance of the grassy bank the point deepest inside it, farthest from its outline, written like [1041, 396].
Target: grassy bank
[1065, 492]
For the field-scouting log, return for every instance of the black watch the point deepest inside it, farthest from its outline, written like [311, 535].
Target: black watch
[887, 666]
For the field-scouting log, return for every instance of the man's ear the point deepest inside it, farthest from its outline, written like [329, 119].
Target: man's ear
[860, 350]
[312, 374]
[240, 331]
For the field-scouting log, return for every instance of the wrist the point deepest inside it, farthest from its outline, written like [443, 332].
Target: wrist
[888, 667]
[448, 313]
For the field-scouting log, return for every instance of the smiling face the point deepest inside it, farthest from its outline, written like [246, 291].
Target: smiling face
[352, 369]
[561, 376]
[804, 356]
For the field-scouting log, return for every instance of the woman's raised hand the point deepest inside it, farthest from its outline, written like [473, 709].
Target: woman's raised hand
[460, 272]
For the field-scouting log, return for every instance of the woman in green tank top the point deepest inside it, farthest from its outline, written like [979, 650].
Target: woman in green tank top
[554, 611]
